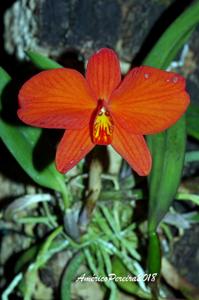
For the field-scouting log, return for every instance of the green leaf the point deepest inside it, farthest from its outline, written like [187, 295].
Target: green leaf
[172, 40]
[4, 80]
[129, 286]
[39, 253]
[21, 141]
[167, 148]
[192, 118]
[42, 62]
[25, 258]
[191, 156]
[188, 197]
[193, 217]
[10, 288]
[69, 275]
[46, 251]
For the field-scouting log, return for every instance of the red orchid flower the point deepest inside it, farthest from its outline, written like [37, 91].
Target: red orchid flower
[101, 109]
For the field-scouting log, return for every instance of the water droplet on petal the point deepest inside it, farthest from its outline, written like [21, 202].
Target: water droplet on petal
[71, 162]
[146, 75]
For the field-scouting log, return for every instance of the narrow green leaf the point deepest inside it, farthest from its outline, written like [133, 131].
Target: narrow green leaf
[191, 156]
[4, 80]
[167, 148]
[44, 253]
[188, 197]
[21, 141]
[193, 217]
[8, 291]
[172, 40]
[69, 275]
[129, 286]
[25, 258]
[90, 260]
[192, 118]
[131, 248]
[31, 255]
[99, 259]
[41, 61]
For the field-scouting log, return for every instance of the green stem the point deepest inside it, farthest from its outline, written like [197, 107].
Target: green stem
[49, 240]
[51, 219]
[154, 261]
[12, 286]
[66, 195]
[34, 220]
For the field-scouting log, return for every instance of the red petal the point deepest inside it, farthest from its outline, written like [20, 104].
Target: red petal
[57, 98]
[74, 146]
[103, 73]
[133, 149]
[149, 100]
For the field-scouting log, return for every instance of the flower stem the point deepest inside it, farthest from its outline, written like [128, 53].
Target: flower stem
[66, 194]
[94, 189]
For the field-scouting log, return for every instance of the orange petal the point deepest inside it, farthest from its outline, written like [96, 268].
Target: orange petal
[74, 146]
[57, 98]
[103, 73]
[133, 149]
[149, 100]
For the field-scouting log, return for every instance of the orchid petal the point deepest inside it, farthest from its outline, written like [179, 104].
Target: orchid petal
[103, 73]
[133, 149]
[74, 146]
[149, 100]
[58, 98]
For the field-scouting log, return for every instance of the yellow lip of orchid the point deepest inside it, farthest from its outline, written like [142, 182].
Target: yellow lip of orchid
[102, 126]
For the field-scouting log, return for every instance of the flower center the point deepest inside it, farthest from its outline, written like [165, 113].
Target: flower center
[102, 126]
